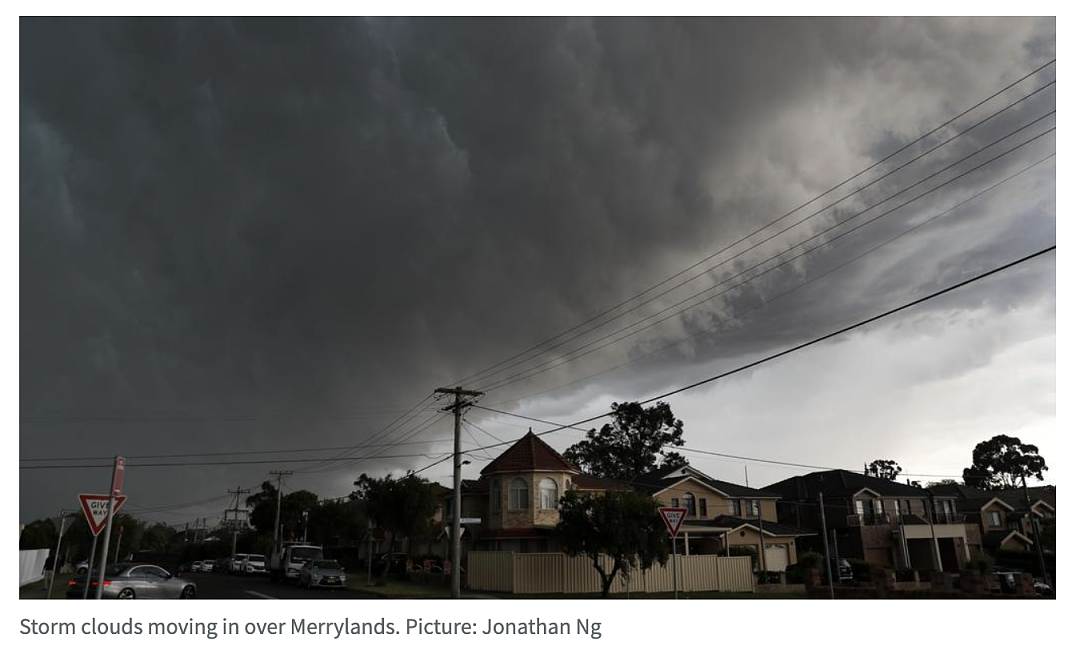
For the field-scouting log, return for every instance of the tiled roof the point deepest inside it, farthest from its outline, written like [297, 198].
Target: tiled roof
[656, 481]
[778, 529]
[838, 483]
[971, 499]
[471, 487]
[590, 483]
[529, 453]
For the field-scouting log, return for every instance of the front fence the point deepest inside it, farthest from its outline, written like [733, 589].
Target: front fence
[557, 573]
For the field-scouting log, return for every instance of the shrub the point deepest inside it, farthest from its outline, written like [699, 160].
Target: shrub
[981, 563]
[795, 573]
[860, 569]
[738, 551]
[811, 560]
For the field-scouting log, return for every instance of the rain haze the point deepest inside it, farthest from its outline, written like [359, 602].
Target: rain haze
[258, 235]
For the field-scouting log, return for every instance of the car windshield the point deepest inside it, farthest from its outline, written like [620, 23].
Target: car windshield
[326, 564]
[256, 558]
[306, 553]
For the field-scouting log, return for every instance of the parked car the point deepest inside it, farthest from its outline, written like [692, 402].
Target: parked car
[1042, 589]
[398, 563]
[133, 581]
[844, 571]
[322, 573]
[286, 564]
[253, 565]
[207, 566]
[81, 567]
[1007, 577]
[236, 563]
[221, 565]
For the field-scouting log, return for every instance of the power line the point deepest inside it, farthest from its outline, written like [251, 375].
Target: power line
[827, 336]
[214, 463]
[576, 353]
[818, 212]
[798, 286]
[782, 217]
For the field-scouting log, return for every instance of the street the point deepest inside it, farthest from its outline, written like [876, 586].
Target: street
[223, 586]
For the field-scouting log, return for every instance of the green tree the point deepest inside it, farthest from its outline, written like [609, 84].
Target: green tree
[883, 468]
[403, 507]
[633, 443]
[1003, 462]
[263, 504]
[38, 534]
[623, 525]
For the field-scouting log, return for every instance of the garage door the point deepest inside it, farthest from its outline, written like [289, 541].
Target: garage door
[776, 558]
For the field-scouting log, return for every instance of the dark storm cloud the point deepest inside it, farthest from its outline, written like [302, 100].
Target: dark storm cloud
[319, 216]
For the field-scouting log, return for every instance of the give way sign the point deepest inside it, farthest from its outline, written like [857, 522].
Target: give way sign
[96, 509]
[673, 518]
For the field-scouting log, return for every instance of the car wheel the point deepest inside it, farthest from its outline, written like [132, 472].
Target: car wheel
[188, 593]
[126, 593]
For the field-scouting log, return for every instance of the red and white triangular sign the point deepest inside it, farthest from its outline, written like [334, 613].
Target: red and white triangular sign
[673, 518]
[96, 509]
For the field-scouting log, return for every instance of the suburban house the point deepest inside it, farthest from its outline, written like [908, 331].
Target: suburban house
[1002, 516]
[517, 494]
[880, 521]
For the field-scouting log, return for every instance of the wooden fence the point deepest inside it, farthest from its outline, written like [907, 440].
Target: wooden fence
[556, 573]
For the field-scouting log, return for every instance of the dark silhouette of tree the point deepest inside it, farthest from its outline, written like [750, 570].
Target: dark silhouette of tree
[263, 506]
[623, 525]
[403, 507]
[631, 444]
[1003, 462]
[883, 468]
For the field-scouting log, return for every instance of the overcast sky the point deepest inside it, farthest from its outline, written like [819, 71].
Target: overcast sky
[241, 235]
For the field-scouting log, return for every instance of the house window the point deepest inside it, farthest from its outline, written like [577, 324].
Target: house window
[995, 519]
[549, 494]
[755, 507]
[907, 507]
[519, 494]
[896, 507]
[704, 507]
[689, 504]
[674, 501]
[736, 507]
[496, 497]
[879, 506]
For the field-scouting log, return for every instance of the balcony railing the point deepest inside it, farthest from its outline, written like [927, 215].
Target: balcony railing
[892, 518]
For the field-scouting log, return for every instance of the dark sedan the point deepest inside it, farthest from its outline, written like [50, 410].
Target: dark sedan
[134, 581]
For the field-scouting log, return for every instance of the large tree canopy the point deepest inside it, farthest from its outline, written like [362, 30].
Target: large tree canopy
[637, 440]
[623, 525]
[403, 507]
[883, 468]
[1003, 462]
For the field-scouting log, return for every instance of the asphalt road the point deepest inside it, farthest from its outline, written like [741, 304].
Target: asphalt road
[223, 586]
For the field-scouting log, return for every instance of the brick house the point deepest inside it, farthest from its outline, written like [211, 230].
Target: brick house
[516, 498]
[883, 522]
[1002, 516]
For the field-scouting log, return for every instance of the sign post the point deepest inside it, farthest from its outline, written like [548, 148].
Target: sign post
[673, 518]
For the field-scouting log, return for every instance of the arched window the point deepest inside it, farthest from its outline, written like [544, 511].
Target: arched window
[519, 494]
[549, 494]
[689, 503]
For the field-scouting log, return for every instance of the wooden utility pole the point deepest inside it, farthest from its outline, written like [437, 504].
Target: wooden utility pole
[277, 512]
[235, 509]
[825, 541]
[460, 403]
[1035, 531]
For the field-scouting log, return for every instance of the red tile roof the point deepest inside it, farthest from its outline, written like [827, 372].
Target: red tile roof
[529, 453]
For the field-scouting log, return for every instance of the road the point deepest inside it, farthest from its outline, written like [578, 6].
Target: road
[222, 586]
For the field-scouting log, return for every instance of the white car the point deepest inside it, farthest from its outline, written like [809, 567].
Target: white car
[236, 562]
[253, 564]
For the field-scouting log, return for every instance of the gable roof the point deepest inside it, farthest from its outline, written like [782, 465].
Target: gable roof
[529, 453]
[839, 483]
[664, 478]
[972, 499]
